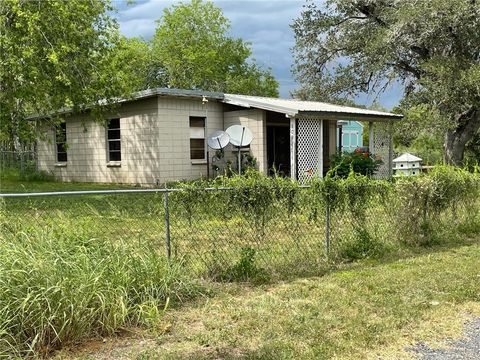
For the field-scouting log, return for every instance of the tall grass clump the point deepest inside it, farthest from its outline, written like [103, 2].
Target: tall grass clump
[436, 205]
[59, 285]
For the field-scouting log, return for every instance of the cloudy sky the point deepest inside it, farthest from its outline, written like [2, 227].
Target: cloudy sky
[263, 23]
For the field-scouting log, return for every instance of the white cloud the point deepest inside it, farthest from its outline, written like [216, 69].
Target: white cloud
[265, 24]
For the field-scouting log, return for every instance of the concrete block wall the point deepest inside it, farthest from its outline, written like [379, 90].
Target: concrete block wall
[155, 143]
[255, 120]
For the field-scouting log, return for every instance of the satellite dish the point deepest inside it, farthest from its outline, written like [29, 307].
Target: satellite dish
[218, 140]
[240, 135]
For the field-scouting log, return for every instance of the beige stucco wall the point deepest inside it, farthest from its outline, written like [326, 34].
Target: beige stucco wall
[155, 140]
[255, 120]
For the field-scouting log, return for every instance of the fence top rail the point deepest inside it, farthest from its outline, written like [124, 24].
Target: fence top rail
[94, 192]
[108, 192]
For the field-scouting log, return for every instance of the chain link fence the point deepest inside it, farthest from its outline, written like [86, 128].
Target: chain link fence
[19, 160]
[228, 234]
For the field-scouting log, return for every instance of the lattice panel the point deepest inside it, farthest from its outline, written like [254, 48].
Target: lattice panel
[381, 149]
[309, 159]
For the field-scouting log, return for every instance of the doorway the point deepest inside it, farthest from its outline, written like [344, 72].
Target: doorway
[278, 149]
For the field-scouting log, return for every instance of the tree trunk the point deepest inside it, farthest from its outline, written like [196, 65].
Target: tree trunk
[467, 126]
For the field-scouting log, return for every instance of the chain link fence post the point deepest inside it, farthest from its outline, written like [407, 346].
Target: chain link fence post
[327, 230]
[167, 225]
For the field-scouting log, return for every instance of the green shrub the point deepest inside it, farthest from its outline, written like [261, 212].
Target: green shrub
[419, 202]
[362, 163]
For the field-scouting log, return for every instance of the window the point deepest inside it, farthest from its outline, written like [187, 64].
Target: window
[114, 148]
[354, 139]
[197, 138]
[61, 142]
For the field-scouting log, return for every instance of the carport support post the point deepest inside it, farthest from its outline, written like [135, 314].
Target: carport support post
[293, 148]
[167, 225]
[390, 150]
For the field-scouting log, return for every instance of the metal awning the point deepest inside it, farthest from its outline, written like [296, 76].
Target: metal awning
[298, 108]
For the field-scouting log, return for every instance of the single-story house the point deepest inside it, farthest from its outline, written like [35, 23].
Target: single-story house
[159, 135]
[349, 135]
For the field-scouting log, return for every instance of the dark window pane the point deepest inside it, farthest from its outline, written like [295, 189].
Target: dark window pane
[197, 149]
[197, 121]
[114, 145]
[60, 140]
[61, 148]
[114, 124]
[115, 156]
[62, 157]
[113, 139]
[113, 134]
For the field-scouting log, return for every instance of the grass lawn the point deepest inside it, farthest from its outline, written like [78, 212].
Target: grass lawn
[12, 183]
[105, 255]
[365, 310]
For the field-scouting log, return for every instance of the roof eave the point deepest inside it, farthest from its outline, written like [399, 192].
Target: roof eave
[334, 115]
[290, 112]
[144, 94]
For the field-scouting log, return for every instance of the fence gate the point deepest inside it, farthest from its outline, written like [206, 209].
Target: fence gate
[309, 151]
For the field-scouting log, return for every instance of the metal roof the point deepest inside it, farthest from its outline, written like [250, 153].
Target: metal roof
[290, 107]
[298, 108]
[407, 157]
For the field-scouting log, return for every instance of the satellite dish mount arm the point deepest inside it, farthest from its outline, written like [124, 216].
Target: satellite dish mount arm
[240, 153]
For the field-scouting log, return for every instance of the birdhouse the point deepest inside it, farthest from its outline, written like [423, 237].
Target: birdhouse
[407, 165]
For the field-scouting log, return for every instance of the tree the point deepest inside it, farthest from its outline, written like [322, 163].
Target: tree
[193, 50]
[56, 54]
[432, 47]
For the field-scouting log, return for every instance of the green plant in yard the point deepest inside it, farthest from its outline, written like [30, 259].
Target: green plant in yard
[192, 198]
[359, 162]
[420, 201]
[253, 194]
[60, 286]
[245, 268]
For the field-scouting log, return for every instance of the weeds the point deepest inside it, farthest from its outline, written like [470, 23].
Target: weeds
[73, 268]
[63, 286]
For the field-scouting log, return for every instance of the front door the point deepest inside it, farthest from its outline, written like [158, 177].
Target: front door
[278, 150]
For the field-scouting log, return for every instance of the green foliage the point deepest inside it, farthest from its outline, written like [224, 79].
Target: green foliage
[254, 194]
[191, 199]
[362, 247]
[59, 285]
[91, 266]
[36, 175]
[352, 198]
[359, 162]
[421, 132]
[245, 269]
[192, 46]
[57, 54]
[420, 201]
[344, 48]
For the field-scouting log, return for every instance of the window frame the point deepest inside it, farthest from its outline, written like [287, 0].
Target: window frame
[197, 137]
[108, 141]
[61, 128]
